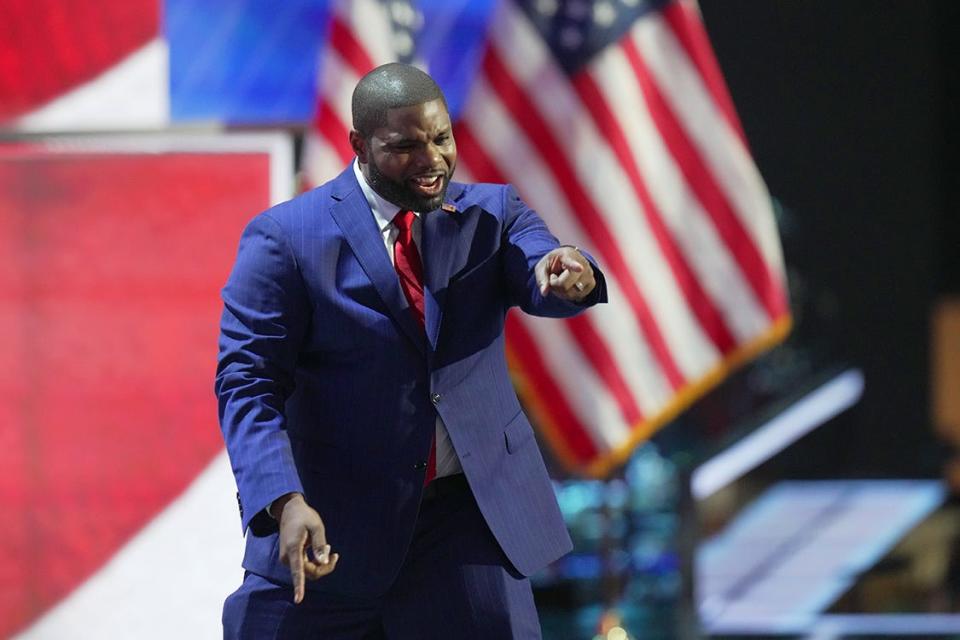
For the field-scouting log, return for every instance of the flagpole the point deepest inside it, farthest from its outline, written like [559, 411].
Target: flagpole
[687, 622]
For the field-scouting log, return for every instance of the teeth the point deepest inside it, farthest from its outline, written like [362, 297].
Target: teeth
[426, 181]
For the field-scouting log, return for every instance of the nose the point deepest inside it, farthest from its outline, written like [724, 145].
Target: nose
[430, 157]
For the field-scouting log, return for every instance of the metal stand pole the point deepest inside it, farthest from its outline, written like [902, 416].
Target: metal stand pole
[688, 619]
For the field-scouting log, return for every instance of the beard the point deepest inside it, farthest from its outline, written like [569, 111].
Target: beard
[401, 194]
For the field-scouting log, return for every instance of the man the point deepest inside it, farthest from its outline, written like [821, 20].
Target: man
[388, 480]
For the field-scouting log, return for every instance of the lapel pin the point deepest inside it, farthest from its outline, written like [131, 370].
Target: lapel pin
[449, 208]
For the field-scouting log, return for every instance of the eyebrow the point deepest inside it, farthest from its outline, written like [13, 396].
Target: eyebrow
[395, 141]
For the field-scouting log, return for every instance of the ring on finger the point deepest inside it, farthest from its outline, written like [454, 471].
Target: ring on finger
[578, 286]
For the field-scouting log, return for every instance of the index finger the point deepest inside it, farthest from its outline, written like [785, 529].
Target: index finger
[296, 559]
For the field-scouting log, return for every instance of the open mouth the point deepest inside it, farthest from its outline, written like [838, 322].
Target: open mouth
[428, 185]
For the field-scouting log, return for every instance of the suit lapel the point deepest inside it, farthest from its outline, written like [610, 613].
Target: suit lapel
[441, 244]
[352, 214]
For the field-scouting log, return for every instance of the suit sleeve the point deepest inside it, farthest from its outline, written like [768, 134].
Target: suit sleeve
[527, 240]
[265, 313]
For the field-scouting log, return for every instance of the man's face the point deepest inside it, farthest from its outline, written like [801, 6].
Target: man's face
[411, 159]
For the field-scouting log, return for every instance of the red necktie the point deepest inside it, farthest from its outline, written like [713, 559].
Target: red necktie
[406, 260]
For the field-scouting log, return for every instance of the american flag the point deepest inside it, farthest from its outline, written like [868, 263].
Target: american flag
[612, 119]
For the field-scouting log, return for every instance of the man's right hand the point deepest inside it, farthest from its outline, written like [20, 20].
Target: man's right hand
[301, 529]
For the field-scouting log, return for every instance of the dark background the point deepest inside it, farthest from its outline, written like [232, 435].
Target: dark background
[851, 110]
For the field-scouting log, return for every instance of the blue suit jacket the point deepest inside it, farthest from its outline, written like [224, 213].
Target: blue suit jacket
[327, 384]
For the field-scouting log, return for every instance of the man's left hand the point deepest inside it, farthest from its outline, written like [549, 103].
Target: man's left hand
[565, 273]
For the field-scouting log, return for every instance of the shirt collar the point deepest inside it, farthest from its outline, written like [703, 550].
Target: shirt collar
[384, 211]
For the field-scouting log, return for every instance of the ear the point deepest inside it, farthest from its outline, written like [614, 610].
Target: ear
[359, 146]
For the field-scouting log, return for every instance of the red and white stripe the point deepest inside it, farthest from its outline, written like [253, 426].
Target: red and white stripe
[639, 157]
[360, 39]
[129, 95]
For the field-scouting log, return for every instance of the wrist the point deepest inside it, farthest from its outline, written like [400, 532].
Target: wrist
[275, 508]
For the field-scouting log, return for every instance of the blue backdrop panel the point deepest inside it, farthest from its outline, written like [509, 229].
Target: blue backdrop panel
[244, 61]
[451, 42]
[256, 61]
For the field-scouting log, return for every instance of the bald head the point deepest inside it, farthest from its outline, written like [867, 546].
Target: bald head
[390, 86]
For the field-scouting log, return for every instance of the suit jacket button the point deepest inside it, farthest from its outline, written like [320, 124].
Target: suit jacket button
[420, 466]
[435, 398]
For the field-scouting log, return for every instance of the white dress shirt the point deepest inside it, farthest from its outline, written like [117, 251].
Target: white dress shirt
[383, 213]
